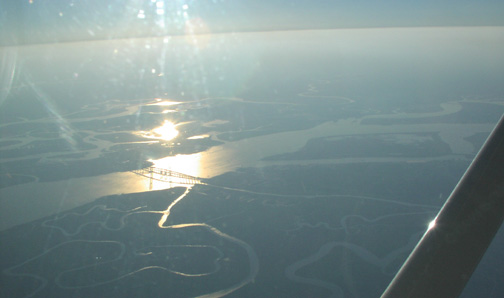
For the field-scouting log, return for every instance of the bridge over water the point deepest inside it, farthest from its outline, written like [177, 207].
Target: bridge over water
[168, 176]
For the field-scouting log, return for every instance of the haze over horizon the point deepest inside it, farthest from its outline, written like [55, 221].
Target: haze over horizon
[38, 21]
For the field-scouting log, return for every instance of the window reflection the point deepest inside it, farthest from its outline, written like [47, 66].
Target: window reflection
[432, 224]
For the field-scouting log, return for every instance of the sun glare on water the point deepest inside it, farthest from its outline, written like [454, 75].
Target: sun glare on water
[165, 132]
[172, 171]
[165, 103]
[186, 164]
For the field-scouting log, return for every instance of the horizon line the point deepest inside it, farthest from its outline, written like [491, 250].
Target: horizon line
[245, 31]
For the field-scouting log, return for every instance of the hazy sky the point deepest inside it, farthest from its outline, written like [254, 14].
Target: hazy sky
[34, 21]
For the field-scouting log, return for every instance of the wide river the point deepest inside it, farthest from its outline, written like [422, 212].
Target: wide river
[27, 202]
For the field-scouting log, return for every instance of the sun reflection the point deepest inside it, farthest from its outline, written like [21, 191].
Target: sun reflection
[186, 164]
[198, 137]
[161, 102]
[165, 132]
